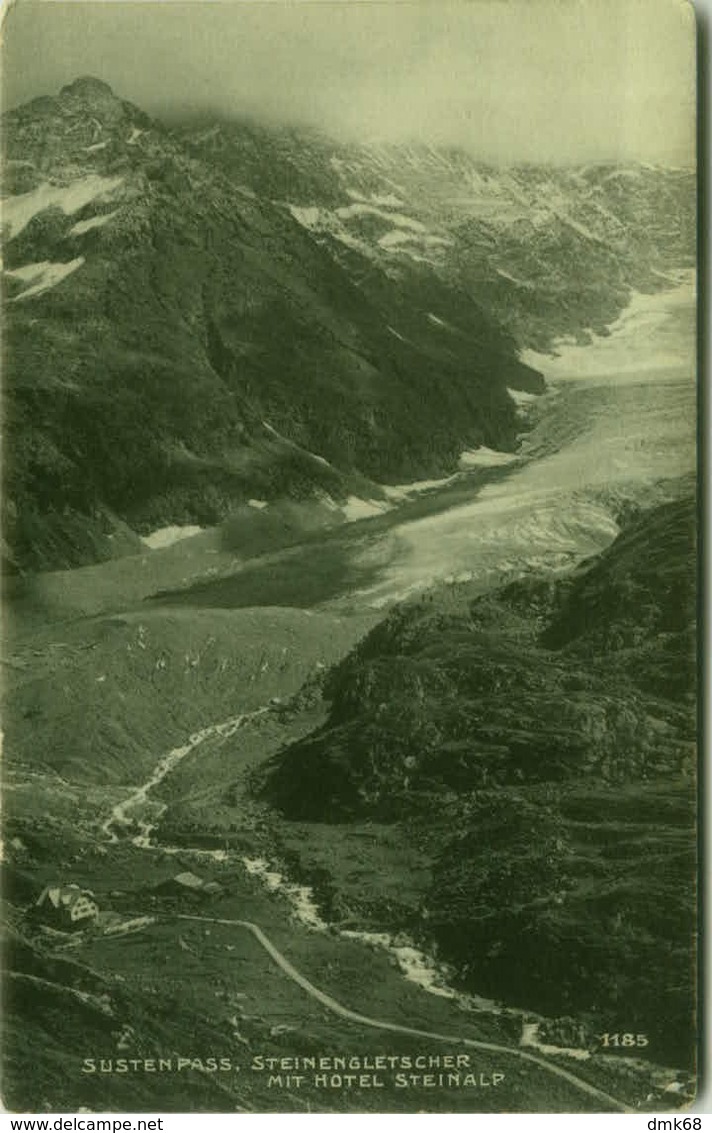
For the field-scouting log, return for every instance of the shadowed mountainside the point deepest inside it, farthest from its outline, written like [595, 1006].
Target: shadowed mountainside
[176, 345]
[540, 741]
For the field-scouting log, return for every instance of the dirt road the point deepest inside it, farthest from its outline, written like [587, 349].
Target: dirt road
[384, 1025]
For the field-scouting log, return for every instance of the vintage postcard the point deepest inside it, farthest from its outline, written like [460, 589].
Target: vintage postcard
[349, 530]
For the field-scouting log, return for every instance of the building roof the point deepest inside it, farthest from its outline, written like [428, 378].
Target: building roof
[62, 896]
[190, 880]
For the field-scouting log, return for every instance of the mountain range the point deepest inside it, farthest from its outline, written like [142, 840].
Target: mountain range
[375, 782]
[204, 316]
[547, 252]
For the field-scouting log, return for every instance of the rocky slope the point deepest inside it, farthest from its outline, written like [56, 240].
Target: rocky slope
[540, 742]
[538, 682]
[545, 251]
[177, 344]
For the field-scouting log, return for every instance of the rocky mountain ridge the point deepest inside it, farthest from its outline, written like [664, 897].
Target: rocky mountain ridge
[547, 251]
[177, 346]
[197, 318]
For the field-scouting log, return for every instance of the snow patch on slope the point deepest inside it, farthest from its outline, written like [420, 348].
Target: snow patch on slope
[513, 279]
[309, 216]
[484, 457]
[83, 226]
[347, 212]
[398, 236]
[43, 276]
[166, 536]
[356, 508]
[438, 322]
[521, 397]
[394, 238]
[402, 491]
[18, 211]
[387, 200]
[293, 444]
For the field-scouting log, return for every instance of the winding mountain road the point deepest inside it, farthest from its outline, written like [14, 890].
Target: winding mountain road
[384, 1025]
[119, 820]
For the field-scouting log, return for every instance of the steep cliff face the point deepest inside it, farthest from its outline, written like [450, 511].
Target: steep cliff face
[176, 343]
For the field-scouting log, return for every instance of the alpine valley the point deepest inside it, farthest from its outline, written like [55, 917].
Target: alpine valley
[350, 595]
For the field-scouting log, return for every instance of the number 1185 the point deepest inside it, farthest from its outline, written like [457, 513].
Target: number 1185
[626, 1039]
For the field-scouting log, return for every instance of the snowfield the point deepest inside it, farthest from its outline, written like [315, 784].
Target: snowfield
[17, 212]
[166, 536]
[639, 344]
[83, 226]
[43, 276]
[401, 221]
[521, 397]
[484, 457]
[356, 508]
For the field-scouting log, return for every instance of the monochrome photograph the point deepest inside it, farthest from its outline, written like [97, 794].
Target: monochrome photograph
[350, 557]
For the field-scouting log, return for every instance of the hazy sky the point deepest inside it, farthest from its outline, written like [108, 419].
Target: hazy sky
[512, 80]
